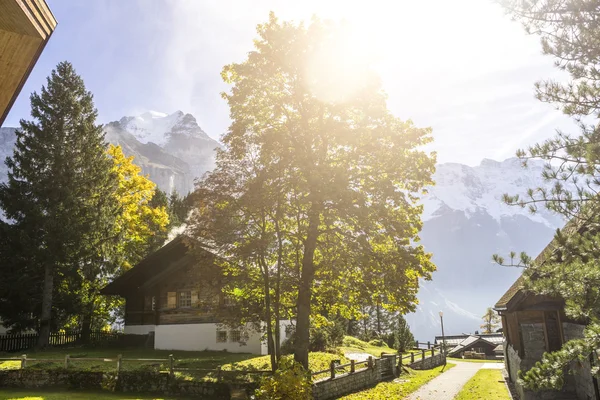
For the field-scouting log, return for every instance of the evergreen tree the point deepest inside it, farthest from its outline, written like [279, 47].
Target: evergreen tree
[491, 321]
[59, 197]
[403, 337]
[569, 32]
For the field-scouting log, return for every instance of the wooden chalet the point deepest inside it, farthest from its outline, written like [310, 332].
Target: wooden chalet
[25, 28]
[472, 345]
[534, 324]
[170, 295]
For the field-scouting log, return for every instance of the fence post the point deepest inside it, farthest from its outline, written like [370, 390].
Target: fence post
[422, 354]
[432, 352]
[119, 361]
[352, 367]
[23, 361]
[332, 368]
[171, 365]
[428, 344]
[412, 358]
[399, 361]
[416, 344]
[370, 364]
[67, 361]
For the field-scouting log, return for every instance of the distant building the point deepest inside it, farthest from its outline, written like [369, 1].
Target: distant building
[25, 28]
[535, 324]
[472, 345]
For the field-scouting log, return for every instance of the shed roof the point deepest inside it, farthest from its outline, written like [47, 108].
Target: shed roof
[468, 342]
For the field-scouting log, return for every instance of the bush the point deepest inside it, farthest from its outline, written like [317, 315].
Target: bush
[377, 342]
[290, 382]
[350, 341]
[322, 338]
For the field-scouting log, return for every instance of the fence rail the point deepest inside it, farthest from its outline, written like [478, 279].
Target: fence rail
[171, 362]
[26, 341]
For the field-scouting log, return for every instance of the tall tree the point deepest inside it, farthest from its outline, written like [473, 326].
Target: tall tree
[569, 31]
[403, 337]
[491, 321]
[60, 191]
[136, 224]
[342, 173]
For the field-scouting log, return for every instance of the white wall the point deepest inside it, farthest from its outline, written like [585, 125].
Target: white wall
[283, 324]
[138, 329]
[198, 337]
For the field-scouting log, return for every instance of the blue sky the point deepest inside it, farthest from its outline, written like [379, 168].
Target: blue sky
[461, 67]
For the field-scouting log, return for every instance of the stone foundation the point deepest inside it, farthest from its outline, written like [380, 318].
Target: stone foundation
[429, 362]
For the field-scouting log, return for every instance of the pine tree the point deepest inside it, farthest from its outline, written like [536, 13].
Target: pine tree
[491, 321]
[59, 197]
[569, 32]
[403, 337]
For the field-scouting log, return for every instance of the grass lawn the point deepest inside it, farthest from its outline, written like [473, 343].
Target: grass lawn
[354, 345]
[187, 359]
[474, 360]
[73, 395]
[486, 384]
[401, 387]
[317, 361]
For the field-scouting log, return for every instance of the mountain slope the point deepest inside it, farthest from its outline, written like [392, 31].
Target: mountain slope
[465, 222]
[171, 148]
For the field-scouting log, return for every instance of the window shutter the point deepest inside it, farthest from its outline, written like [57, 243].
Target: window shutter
[171, 299]
[194, 298]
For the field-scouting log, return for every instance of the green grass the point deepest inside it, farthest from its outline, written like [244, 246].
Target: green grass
[317, 361]
[474, 360]
[486, 384]
[46, 394]
[354, 345]
[401, 387]
[190, 359]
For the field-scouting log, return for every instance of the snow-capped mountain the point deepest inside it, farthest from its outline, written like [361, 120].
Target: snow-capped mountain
[465, 222]
[171, 148]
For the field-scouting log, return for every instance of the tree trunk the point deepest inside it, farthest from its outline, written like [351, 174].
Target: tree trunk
[86, 327]
[269, 316]
[277, 305]
[378, 314]
[304, 290]
[46, 315]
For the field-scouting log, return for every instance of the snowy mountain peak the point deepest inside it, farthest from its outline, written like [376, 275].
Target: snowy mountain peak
[473, 190]
[158, 128]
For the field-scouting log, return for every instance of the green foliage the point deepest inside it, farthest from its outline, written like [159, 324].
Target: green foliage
[491, 321]
[315, 193]
[377, 342]
[290, 382]
[568, 269]
[403, 337]
[59, 199]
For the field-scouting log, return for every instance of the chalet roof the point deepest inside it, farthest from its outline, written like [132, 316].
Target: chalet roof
[153, 268]
[515, 292]
[499, 348]
[455, 340]
[468, 342]
[25, 28]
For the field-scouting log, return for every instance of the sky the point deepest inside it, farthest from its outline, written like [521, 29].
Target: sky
[461, 67]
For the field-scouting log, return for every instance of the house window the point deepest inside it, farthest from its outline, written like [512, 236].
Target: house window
[221, 336]
[185, 299]
[235, 336]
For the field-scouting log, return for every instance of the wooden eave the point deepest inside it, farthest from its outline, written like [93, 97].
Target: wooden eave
[25, 28]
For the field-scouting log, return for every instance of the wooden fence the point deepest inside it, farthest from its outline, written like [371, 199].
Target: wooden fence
[27, 341]
[170, 365]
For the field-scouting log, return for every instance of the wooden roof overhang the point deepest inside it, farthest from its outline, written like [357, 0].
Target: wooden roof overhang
[25, 28]
[516, 293]
[152, 269]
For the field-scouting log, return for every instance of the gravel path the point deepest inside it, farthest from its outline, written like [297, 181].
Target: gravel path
[448, 384]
